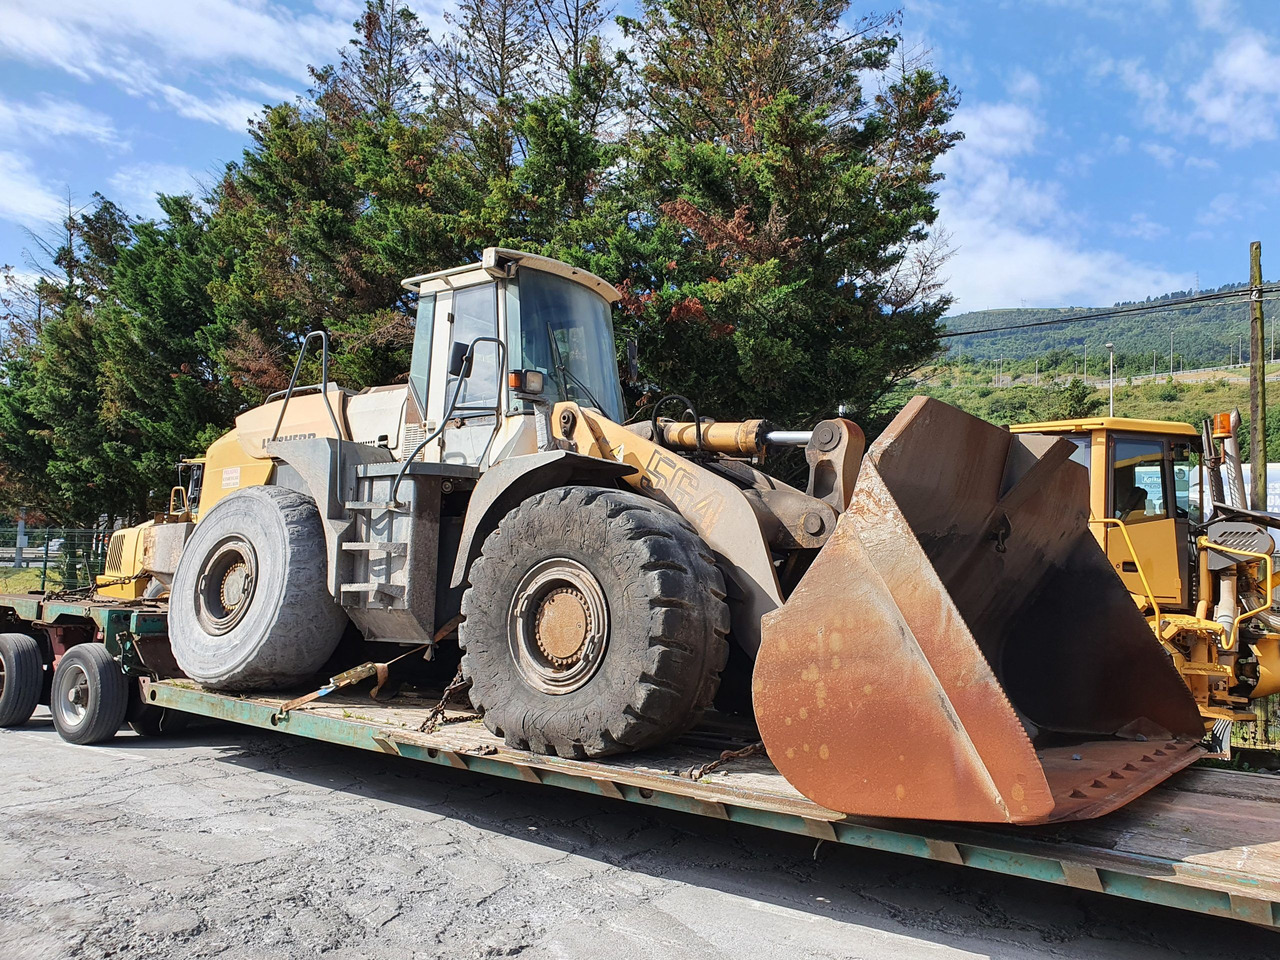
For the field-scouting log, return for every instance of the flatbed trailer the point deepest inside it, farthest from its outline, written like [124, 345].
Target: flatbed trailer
[1206, 840]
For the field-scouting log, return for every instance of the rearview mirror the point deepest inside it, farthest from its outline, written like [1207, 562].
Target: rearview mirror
[460, 359]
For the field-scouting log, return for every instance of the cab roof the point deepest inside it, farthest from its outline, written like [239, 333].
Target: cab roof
[496, 262]
[1164, 428]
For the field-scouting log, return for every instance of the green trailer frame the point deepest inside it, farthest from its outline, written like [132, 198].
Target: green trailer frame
[1206, 841]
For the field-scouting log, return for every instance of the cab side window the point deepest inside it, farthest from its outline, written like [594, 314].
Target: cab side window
[475, 314]
[1138, 489]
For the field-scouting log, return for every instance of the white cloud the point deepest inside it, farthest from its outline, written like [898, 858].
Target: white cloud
[1229, 93]
[1201, 163]
[226, 111]
[999, 130]
[1023, 85]
[1221, 209]
[136, 185]
[160, 49]
[1142, 227]
[1015, 238]
[24, 198]
[50, 118]
[1213, 14]
[1162, 153]
[1238, 95]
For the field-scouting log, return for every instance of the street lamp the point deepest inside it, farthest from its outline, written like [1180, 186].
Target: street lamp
[1111, 387]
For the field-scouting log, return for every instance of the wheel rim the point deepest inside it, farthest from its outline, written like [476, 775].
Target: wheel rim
[1, 676]
[73, 701]
[226, 586]
[558, 626]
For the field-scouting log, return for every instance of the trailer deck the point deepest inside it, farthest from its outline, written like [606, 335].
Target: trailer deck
[1206, 840]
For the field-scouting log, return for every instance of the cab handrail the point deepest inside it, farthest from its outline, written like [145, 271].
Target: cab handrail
[1124, 532]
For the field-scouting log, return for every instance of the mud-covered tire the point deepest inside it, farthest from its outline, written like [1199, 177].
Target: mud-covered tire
[665, 624]
[250, 607]
[21, 678]
[90, 695]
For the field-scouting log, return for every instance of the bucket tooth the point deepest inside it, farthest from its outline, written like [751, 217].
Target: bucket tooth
[961, 649]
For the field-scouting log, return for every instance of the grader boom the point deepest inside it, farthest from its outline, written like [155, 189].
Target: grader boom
[909, 623]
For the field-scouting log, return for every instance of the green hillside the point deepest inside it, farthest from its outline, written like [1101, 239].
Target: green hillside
[1203, 336]
[1161, 399]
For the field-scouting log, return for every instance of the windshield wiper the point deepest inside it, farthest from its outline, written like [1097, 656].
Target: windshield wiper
[567, 375]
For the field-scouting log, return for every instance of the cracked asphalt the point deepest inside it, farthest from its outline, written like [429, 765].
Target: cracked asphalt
[226, 842]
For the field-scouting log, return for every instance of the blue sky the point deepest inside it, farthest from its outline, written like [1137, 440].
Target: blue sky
[1114, 149]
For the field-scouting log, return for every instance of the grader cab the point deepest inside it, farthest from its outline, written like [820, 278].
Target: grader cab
[911, 623]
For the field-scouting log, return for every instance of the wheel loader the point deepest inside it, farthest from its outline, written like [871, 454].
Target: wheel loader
[1198, 564]
[929, 628]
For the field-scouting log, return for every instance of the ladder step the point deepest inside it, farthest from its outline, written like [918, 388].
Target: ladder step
[366, 505]
[393, 547]
[390, 589]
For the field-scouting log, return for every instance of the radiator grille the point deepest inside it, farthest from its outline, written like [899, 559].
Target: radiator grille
[115, 553]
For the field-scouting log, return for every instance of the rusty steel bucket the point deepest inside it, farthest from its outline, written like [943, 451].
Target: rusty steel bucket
[961, 649]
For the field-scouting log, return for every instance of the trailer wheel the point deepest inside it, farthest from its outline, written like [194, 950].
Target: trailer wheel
[249, 606]
[595, 624]
[90, 695]
[21, 678]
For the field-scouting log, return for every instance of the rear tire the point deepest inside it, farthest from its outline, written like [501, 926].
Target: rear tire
[90, 695]
[21, 678]
[250, 606]
[595, 624]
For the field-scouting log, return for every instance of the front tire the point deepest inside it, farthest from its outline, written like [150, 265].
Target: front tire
[21, 678]
[90, 695]
[250, 606]
[595, 624]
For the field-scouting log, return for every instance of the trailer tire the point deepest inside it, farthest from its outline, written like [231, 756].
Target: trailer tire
[595, 623]
[250, 605]
[153, 721]
[21, 678]
[90, 695]
[148, 720]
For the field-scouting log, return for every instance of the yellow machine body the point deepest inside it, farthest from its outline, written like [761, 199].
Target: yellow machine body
[120, 579]
[1140, 512]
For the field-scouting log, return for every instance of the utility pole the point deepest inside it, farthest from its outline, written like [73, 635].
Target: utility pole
[1111, 381]
[1086, 364]
[1037, 371]
[1257, 381]
[1153, 362]
[1171, 353]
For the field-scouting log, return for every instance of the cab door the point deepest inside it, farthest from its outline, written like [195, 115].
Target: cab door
[1141, 496]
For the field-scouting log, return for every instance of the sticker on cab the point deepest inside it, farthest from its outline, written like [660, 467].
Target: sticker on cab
[230, 477]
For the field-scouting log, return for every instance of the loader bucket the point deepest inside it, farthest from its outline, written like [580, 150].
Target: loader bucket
[961, 648]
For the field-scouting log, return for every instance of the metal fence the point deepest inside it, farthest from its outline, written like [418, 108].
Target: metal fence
[51, 558]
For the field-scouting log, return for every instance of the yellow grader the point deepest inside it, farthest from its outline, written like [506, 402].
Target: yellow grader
[912, 620]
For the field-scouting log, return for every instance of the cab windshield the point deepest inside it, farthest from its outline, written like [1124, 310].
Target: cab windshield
[566, 334]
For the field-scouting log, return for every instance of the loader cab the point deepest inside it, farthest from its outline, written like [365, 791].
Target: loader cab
[528, 326]
[1139, 475]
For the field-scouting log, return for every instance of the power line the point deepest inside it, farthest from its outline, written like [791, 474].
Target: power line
[1241, 296]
